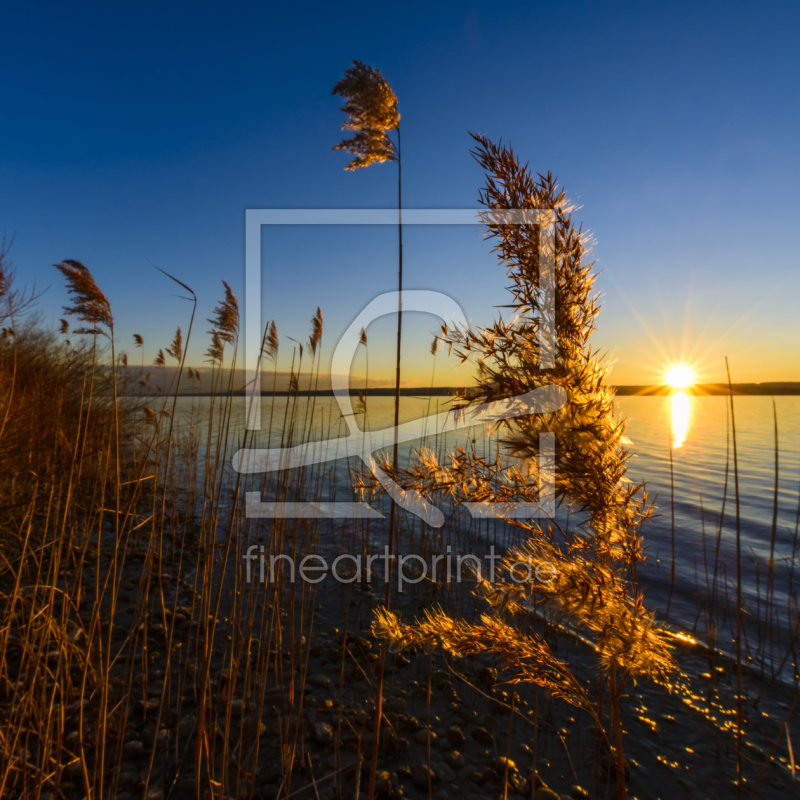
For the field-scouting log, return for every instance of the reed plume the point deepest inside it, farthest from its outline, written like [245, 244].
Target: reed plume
[371, 108]
[216, 349]
[226, 317]
[176, 348]
[90, 305]
[316, 332]
[527, 656]
[272, 344]
[593, 562]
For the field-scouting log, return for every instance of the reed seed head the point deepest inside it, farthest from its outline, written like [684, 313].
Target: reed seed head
[371, 108]
[90, 305]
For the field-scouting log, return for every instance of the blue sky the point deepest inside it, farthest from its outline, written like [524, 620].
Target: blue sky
[139, 134]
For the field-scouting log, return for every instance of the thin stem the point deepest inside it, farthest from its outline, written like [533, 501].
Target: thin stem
[616, 690]
[738, 594]
[373, 768]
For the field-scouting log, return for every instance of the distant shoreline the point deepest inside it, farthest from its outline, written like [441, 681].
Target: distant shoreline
[763, 389]
[716, 389]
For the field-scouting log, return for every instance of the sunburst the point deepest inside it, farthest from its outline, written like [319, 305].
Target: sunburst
[680, 376]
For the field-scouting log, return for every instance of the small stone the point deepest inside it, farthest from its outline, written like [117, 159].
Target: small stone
[421, 775]
[421, 736]
[396, 744]
[488, 676]
[482, 736]
[132, 749]
[454, 759]
[322, 733]
[546, 794]
[74, 769]
[501, 764]
[487, 721]
[346, 760]
[395, 704]
[456, 735]
[383, 782]
[130, 779]
[154, 793]
[319, 680]
[608, 768]
[579, 793]
[186, 725]
[443, 772]
[442, 744]
[520, 785]
[441, 794]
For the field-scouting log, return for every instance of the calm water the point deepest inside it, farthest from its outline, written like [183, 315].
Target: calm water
[696, 431]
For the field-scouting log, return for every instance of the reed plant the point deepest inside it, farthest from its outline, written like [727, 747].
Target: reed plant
[138, 654]
[371, 108]
[592, 564]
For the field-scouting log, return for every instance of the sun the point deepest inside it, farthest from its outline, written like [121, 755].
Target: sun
[679, 376]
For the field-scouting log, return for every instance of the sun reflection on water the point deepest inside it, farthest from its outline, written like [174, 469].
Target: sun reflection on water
[679, 413]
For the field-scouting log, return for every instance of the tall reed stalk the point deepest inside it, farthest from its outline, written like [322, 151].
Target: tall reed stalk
[371, 108]
[739, 712]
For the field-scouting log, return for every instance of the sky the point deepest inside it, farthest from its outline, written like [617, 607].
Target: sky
[137, 135]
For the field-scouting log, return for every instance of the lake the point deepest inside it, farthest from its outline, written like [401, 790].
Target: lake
[696, 433]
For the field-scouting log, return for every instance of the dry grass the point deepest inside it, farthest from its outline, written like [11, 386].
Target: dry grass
[134, 656]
